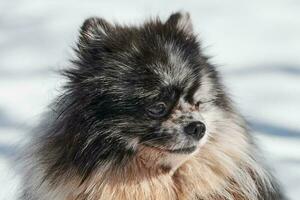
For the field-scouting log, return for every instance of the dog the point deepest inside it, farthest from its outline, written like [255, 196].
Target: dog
[144, 115]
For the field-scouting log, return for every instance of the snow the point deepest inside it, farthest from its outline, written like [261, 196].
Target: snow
[256, 45]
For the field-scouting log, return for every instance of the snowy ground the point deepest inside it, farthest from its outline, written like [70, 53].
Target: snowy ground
[255, 43]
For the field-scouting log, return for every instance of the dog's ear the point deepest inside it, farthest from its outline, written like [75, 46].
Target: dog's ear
[93, 34]
[182, 21]
[95, 28]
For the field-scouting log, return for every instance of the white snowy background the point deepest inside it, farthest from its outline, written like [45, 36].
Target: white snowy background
[256, 45]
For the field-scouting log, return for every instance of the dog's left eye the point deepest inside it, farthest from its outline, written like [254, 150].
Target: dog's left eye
[157, 110]
[197, 104]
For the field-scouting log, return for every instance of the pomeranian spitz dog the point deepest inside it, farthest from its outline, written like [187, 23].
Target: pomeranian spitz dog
[144, 116]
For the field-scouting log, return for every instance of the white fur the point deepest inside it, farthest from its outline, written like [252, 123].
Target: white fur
[185, 23]
[177, 69]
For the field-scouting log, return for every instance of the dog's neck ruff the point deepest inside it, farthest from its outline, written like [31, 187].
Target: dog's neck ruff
[223, 169]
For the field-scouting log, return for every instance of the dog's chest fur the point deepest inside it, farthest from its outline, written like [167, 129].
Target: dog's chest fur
[183, 185]
[188, 182]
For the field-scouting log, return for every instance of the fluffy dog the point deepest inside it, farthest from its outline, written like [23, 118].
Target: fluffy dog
[144, 115]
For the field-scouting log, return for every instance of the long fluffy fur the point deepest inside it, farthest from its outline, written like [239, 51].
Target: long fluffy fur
[78, 156]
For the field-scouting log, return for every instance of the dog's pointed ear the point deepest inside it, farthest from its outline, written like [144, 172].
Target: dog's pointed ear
[93, 34]
[95, 28]
[182, 21]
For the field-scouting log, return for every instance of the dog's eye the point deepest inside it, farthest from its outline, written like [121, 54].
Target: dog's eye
[197, 104]
[157, 110]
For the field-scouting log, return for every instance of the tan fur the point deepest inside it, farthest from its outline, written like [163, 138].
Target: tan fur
[223, 169]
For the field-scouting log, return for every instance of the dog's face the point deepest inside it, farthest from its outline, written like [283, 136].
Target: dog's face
[146, 86]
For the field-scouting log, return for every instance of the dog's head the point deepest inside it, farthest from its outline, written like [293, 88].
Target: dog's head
[142, 86]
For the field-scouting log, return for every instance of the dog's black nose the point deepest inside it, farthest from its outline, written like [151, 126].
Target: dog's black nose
[195, 129]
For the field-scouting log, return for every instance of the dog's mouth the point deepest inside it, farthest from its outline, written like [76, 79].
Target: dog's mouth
[185, 150]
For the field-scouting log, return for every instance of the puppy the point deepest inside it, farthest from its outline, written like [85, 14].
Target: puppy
[144, 115]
